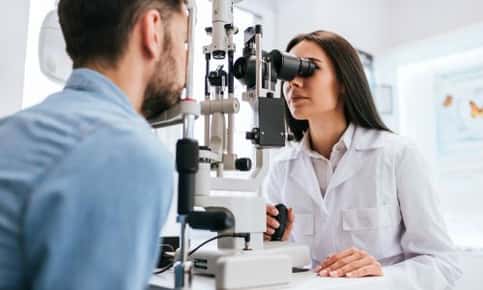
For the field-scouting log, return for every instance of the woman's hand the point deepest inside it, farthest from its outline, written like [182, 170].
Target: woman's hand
[272, 223]
[350, 263]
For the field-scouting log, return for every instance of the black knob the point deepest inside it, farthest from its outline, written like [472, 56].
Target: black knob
[253, 135]
[213, 219]
[243, 164]
[282, 219]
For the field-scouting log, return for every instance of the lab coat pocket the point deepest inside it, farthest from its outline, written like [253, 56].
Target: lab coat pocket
[370, 218]
[375, 230]
[303, 228]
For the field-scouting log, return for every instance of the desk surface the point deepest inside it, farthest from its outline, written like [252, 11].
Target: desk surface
[299, 281]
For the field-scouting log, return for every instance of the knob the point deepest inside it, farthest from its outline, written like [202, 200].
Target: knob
[243, 164]
[253, 135]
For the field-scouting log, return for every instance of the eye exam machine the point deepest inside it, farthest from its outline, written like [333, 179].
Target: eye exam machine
[208, 195]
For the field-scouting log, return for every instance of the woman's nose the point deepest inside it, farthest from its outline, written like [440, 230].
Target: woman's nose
[297, 82]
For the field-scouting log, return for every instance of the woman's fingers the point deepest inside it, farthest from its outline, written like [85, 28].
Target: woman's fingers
[271, 210]
[272, 223]
[350, 267]
[370, 270]
[349, 263]
[269, 231]
[329, 261]
[356, 256]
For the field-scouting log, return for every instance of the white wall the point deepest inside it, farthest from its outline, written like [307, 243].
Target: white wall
[361, 22]
[14, 21]
[411, 20]
[376, 25]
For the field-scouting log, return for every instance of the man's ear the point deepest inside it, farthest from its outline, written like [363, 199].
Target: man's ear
[152, 33]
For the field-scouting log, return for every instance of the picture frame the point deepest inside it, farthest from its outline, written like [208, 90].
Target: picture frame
[384, 99]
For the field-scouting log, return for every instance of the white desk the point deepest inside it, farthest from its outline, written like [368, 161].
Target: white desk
[299, 281]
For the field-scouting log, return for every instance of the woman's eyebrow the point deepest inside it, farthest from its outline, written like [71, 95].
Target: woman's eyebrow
[314, 59]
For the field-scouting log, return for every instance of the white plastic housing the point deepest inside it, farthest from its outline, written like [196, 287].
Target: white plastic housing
[53, 58]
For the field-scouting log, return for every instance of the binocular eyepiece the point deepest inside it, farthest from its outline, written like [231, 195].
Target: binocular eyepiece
[284, 67]
[288, 66]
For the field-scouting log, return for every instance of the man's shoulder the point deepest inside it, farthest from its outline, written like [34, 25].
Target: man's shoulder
[130, 141]
[137, 142]
[44, 135]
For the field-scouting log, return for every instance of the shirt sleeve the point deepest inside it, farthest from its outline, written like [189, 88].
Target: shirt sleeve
[94, 220]
[431, 260]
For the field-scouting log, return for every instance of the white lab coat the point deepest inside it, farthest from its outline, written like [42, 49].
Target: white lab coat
[380, 199]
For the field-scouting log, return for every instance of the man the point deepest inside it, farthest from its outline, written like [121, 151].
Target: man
[84, 184]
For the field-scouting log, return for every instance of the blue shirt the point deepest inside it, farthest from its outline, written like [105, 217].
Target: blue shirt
[85, 187]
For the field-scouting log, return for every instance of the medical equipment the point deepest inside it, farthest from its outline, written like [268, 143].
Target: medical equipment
[242, 259]
[54, 62]
[233, 263]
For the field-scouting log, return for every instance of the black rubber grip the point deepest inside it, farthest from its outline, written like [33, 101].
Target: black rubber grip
[282, 218]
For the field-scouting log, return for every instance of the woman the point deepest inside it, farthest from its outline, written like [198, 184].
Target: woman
[359, 195]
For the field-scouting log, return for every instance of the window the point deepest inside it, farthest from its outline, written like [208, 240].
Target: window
[243, 120]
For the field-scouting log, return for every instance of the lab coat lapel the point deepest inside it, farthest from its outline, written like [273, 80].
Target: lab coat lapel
[302, 173]
[352, 162]
[363, 141]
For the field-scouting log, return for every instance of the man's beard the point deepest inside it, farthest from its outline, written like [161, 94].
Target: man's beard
[162, 91]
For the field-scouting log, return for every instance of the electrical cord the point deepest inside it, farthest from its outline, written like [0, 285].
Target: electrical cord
[245, 236]
[164, 269]
[165, 255]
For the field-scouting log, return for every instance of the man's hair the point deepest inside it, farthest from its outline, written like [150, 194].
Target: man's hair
[98, 30]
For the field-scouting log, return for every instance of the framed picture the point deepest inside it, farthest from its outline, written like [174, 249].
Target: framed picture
[459, 116]
[383, 96]
[367, 61]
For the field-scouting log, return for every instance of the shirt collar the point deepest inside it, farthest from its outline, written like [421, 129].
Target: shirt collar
[344, 142]
[348, 136]
[91, 81]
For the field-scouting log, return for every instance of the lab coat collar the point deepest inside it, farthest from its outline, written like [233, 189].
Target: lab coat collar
[368, 139]
[344, 142]
[363, 139]
[302, 170]
[353, 160]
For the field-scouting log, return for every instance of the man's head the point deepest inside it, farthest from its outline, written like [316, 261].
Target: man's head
[143, 36]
